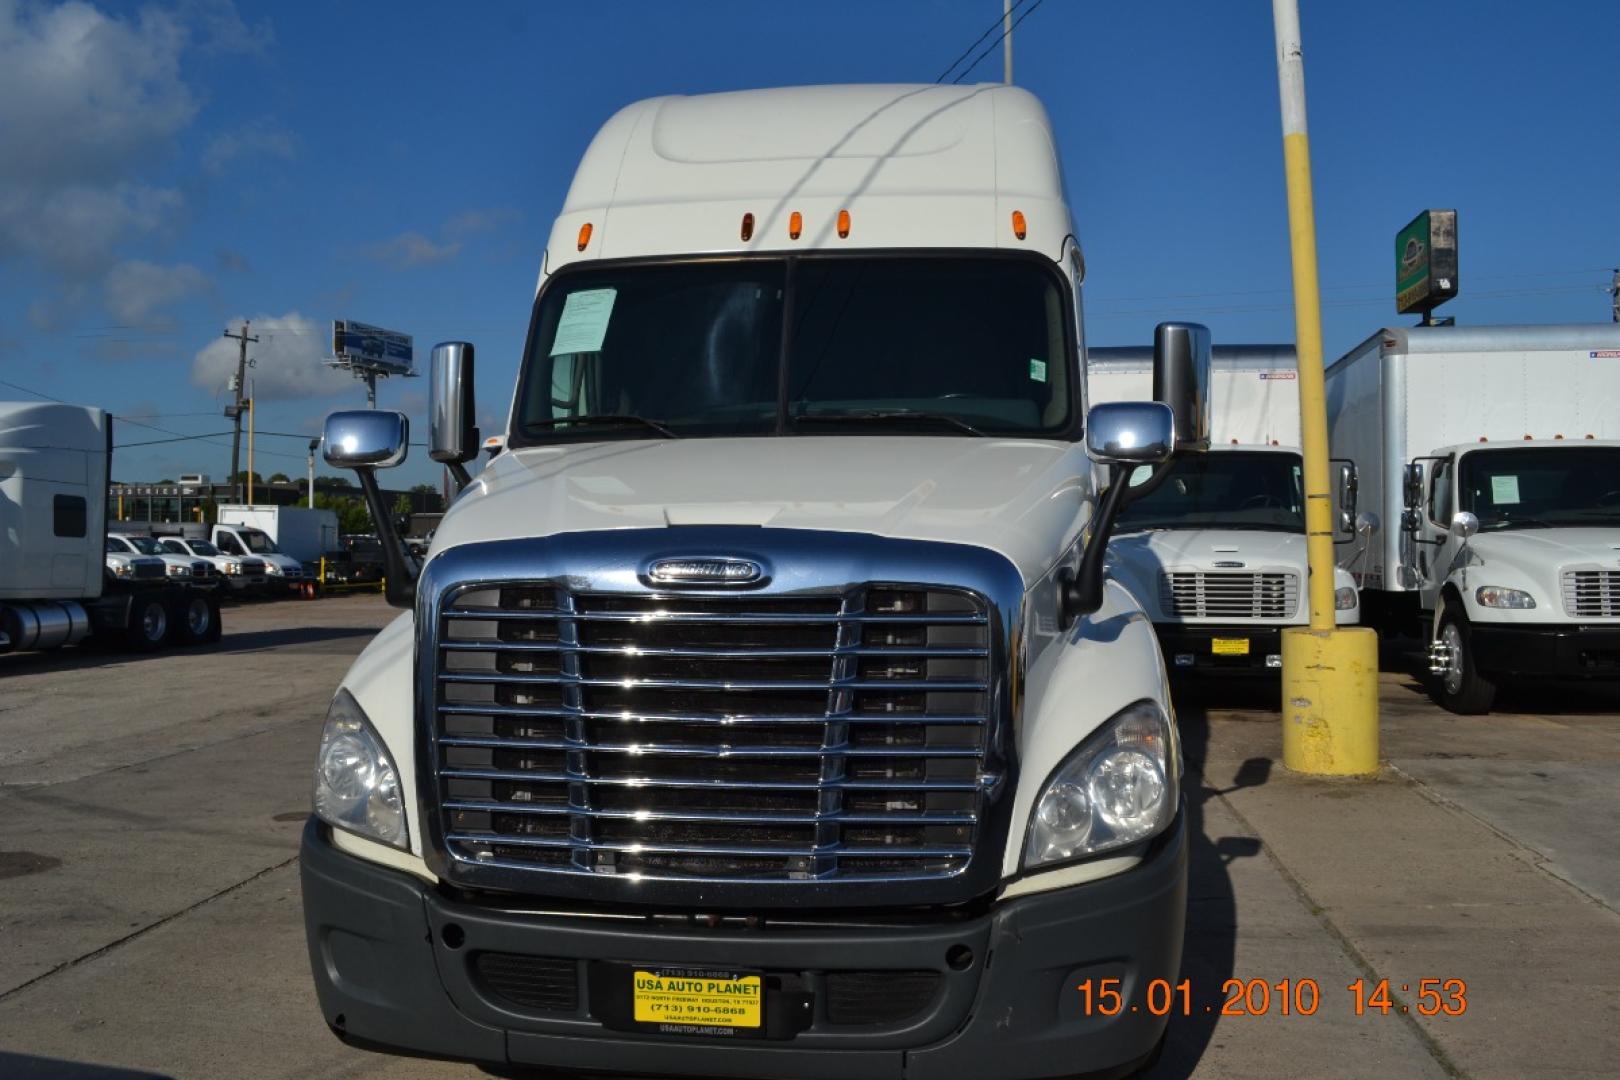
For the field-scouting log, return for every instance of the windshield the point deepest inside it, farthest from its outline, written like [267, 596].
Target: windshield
[875, 345]
[144, 544]
[1222, 490]
[1536, 487]
[259, 543]
[203, 547]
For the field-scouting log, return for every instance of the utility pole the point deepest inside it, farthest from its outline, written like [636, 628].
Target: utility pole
[1006, 41]
[234, 412]
[1329, 674]
[314, 445]
[1614, 292]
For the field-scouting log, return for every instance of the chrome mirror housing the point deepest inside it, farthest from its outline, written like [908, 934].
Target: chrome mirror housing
[452, 430]
[1464, 525]
[1181, 380]
[365, 439]
[1130, 433]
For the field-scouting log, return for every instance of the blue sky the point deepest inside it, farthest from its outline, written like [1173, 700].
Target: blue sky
[166, 170]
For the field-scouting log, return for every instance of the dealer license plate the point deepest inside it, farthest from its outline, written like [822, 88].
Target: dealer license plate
[1229, 646]
[698, 998]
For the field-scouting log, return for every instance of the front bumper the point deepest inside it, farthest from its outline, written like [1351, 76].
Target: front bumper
[1191, 649]
[397, 967]
[1569, 651]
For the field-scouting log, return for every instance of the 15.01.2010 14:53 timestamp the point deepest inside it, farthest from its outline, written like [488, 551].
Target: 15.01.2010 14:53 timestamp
[1285, 997]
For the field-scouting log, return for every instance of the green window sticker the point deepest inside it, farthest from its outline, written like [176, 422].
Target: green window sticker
[1505, 490]
[1037, 370]
[584, 322]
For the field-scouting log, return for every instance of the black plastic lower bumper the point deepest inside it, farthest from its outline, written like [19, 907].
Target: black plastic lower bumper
[1561, 652]
[400, 967]
[1192, 650]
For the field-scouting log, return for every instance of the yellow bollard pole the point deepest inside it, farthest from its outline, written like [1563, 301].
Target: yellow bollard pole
[1329, 675]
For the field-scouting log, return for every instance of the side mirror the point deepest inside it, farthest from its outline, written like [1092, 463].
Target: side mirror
[1130, 433]
[1464, 525]
[1367, 523]
[452, 434]
[1414, 486]
[1181, 375]
[1349, 485]
[366, 439]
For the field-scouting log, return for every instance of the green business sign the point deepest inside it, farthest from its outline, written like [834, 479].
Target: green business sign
[1426, 261]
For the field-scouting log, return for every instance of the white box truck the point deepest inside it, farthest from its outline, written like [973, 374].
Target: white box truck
[289, 540]
[762, 708]
[1215, 551]
[1491, 455]
[62, 580]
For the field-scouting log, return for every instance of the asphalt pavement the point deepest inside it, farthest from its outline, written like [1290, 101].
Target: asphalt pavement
[150, 922]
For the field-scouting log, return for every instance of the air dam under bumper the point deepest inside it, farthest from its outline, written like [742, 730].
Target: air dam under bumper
[1198, 641]
[397, 968]
[1556, 651]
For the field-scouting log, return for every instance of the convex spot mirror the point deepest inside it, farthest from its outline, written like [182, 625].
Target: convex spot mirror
[1367, 523]
[1464, 525]
[1130, 433]
[365, 439]
[1181, 375]
[452, 433]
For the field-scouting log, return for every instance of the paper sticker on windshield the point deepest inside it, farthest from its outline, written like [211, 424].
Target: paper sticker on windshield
[1504, 490]
[1037, 370]
[584, 321]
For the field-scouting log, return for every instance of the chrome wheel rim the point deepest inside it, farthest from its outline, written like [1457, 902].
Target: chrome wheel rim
[197, 617]
[1451, 637]
[154, 622]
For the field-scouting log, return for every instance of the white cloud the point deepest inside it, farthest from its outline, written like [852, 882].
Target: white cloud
[138, 292]
[477, 221]
[413, 249]
[289, 359]
[261, 139]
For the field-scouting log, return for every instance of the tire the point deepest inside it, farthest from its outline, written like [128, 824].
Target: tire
[1462, 688]
[196, 619]
[149, 623]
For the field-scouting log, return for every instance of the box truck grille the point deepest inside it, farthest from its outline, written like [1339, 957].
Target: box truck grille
[744, 738]
[1199, 594]
[1589, 593]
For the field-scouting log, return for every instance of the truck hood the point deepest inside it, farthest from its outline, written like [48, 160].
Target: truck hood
[1526, 548]
[1136, 559]
[1022, 498]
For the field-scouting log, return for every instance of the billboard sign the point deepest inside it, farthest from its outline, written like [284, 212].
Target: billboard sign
[361, 345]
[1426, 262]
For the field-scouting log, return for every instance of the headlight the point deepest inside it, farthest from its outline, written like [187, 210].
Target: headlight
[1120, 787]
[1344, 598]
[1498, 596]
[122, 569]
[356, 785]
[272, 568]
[232, 568]
[179, 571]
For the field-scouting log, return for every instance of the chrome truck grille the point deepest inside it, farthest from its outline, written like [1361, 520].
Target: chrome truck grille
[825, 737]
[1592, 593]
[1228, 594]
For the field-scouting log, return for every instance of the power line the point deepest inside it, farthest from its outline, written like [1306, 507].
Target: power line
[987, 32]
[992, 47]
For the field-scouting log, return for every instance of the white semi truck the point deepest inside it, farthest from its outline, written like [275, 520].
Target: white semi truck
[1215, 552]
[1491, 453]
[61, 582]
[762, 707]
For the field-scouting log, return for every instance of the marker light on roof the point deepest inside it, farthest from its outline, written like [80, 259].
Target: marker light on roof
[843, 224]
[748, 227]
[584, 235]
[795, 225]
[1020, 230]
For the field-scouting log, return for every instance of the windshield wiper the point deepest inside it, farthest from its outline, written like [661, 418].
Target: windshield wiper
[604, 420]
[876, 416]
[1519, 523]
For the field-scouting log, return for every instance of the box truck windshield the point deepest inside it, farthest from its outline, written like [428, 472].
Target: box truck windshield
[258, 542]
[878, 344]
[1233, 489]
[1545, 487]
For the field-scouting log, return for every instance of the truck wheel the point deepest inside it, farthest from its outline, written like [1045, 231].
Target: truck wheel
[1460, 687]
[197, 620]
[148, 625]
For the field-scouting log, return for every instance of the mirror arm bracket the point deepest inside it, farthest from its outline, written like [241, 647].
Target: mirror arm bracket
[400, 568]
[1081, 593]
[459, 473]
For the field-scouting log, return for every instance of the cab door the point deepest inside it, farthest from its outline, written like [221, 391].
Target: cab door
[1437, 547]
